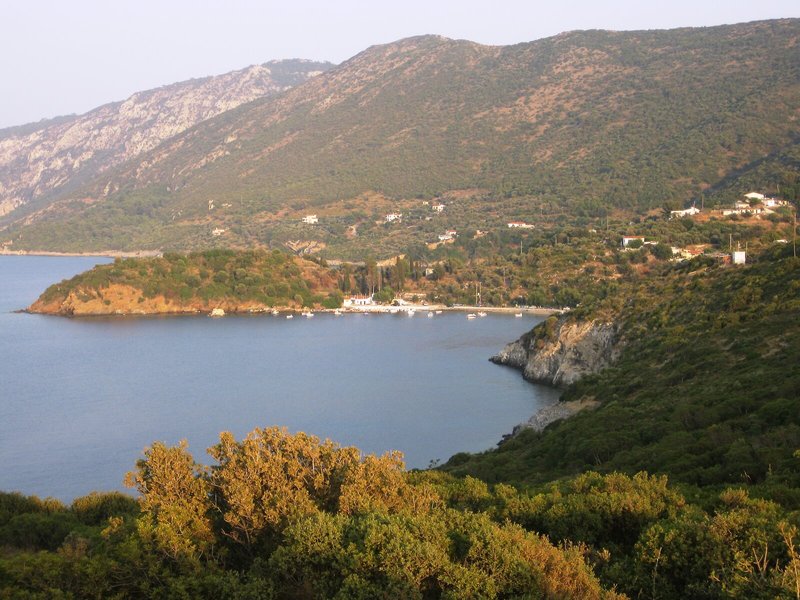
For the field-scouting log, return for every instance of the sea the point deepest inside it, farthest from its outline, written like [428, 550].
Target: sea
[81, 398]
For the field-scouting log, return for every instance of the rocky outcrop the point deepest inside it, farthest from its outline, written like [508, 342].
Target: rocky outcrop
[562, 350]
[38, 162]
[126, 300]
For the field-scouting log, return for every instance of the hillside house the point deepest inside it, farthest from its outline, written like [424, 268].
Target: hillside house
[750, 210]
[628, 239]
[217, 231]
[519, 225]
[310, 219]
[391, 217]
[754, 196]
[438, 207]
[687, 212]
[739, 257]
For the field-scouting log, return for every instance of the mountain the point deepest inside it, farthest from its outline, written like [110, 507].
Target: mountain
[582, 123]
[40, 160]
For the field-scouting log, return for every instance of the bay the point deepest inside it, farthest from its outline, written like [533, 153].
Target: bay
[81, 398]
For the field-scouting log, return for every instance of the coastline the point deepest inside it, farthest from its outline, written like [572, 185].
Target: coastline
[102, 253]
[557, 411]
[422, 309]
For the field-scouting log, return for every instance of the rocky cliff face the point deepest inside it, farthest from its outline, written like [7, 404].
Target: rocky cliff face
[561, 351]
[127, 300]
[37, 163]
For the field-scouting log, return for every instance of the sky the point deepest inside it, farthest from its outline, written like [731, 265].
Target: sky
[60, 57]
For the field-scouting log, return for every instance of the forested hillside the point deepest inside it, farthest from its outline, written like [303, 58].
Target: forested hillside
[589, 122]
[706, 388]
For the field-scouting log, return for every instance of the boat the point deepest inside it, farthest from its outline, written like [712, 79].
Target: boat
[481, 314]
[308, 314]
[337, 312]
[290, 316]
[472, 316]
[430, 315]
[438, 312]
[518, 315]
[274, 312]
[411, 312]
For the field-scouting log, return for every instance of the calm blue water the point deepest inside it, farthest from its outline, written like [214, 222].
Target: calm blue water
[81, 398]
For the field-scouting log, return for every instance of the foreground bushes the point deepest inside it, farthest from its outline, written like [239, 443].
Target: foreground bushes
[288, 516]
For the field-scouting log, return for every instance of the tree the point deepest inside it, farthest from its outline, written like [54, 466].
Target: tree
[661, 251]
[174, 501]
[272, 478]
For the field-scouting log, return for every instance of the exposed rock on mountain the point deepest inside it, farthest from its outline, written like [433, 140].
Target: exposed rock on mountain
[41, 160]
[562, 351]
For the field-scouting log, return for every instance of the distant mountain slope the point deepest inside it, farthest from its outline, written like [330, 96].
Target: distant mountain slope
[41, 159]
[585, 120]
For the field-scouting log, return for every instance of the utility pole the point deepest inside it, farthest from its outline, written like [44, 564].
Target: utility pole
[794, 232]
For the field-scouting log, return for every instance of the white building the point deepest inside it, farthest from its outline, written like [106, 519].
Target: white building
[687, 212]
[627, 239]
[438, 207]
[754, 196]
[311, 219]
[393, 217]
[217, 231]
[359, 301]
[739, 257]
[520, 225]
[750, 210]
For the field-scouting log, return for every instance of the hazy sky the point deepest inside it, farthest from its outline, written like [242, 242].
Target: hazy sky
[69, 56]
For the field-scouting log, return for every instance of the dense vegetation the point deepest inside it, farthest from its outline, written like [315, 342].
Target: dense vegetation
[706, 389]
[288, 516]
[590, 122]
[704, 398]
[277, 516]
[214, 277]
[559, 266]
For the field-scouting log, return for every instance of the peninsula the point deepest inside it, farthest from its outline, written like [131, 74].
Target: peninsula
[234, 282]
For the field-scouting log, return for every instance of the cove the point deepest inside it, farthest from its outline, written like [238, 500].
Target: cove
[81, 398]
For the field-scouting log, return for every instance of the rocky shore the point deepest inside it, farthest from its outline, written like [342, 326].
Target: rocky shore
[559, 352]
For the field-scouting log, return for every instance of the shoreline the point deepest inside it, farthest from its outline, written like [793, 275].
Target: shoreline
[369, 309]
[546, 415]
[99, 253]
